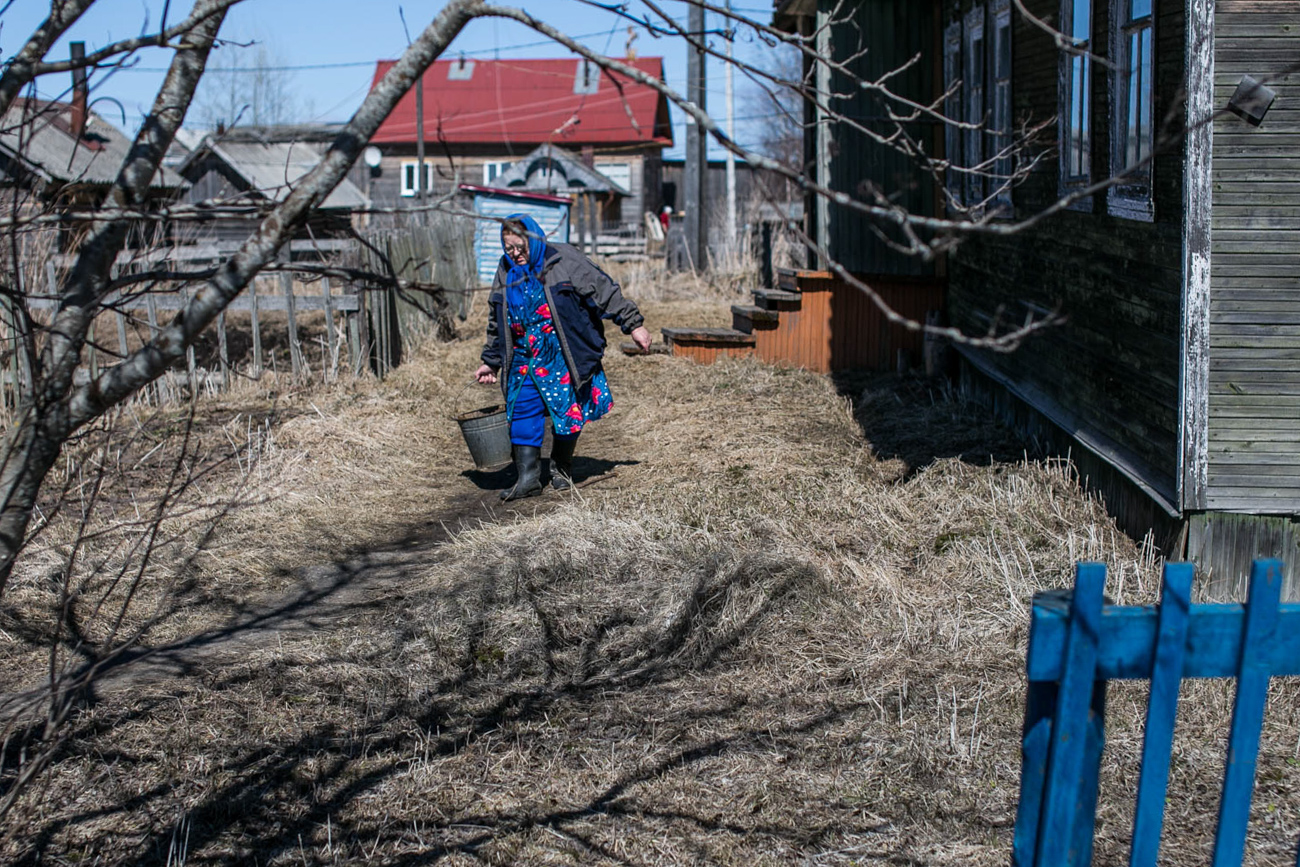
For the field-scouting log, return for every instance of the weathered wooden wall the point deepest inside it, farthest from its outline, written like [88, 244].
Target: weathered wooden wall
[892, 34]
[1112, 371]
[1254, 382]
[835, 326]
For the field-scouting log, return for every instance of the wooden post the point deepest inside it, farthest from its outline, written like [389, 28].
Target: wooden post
[122, 344]
[599, 221]
[257, 330]
[363, 332]
[92, 355]
[329, 328]
[161, 385]
[295, 351]
[190, 366]
[223, 350]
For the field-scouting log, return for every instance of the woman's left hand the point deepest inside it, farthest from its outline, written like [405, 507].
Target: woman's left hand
[641, 337]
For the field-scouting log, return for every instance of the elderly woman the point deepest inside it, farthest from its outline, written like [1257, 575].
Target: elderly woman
[545, 331]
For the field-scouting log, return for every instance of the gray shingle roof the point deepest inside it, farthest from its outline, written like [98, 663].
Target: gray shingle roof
[37, 134]
[271, 168]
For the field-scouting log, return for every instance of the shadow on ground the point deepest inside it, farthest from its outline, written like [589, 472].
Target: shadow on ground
[584, 468]
[354, 778]
[920, 420]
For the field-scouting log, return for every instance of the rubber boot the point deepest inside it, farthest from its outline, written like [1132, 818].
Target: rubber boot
[562, 463]
[528, 464]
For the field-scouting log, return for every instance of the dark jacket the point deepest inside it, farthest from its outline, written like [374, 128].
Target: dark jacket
[580, 296]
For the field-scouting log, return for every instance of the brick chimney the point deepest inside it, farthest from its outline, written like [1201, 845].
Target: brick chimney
[80, 90]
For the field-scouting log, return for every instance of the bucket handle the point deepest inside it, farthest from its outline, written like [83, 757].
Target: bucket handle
[458, 404]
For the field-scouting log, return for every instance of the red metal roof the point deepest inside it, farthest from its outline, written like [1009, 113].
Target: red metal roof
[530, 102]
[516, 194]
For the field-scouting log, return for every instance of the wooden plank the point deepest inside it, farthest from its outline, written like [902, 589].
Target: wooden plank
[363, 334]
[1128, 636]
[223, 350]
[189, 350]
[330, 353]
[255, 327]
[295, 349]
[1254, 670]
[1060, 831]
[1162, 712]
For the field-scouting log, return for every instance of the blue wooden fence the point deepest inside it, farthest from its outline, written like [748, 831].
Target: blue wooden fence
[1077, 643]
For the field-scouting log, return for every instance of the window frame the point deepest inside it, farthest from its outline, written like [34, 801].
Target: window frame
[407, 167]
[974, 68]
[953, 109]
[1072, 67]
[1132, 199]
[501, 166]
[1000, 105]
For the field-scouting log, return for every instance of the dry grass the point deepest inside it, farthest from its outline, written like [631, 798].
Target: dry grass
[761, 641]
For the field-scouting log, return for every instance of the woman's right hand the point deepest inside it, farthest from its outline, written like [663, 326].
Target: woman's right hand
[485, 375]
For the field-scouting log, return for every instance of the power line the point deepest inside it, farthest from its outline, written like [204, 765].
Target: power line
[352, 64]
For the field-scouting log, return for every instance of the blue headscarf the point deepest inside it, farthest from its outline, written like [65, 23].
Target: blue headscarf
[523, 282]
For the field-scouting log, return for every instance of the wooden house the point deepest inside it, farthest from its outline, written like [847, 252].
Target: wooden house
[1175, 380]
[240, 166]
[483, 116]
[61, 156]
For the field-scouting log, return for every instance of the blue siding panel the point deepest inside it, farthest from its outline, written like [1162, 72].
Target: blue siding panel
[553, 217]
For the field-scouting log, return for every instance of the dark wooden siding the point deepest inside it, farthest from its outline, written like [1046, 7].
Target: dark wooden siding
[1112, 371]
[1254, 410]
[881, 36]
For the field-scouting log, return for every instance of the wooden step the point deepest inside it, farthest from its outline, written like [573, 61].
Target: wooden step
[709, 336]
[745, 317]
[629, 347]
[776, 299]
[707, 345]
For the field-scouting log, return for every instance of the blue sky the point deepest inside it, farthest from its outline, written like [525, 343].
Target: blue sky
[330, 47]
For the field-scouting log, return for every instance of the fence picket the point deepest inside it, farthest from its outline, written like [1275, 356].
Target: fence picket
[329, 365]
[1057, 811]
[1162, 711]
[1248, 711]
[295, 350]
[256, 329]
[223, 350]
[1064, 802]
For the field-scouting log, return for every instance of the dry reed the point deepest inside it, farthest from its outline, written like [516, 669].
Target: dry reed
[763, 639]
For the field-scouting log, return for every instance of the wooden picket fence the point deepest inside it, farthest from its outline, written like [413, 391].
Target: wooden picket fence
[1077, 643]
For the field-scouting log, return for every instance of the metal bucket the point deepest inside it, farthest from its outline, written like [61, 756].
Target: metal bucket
[487, 433]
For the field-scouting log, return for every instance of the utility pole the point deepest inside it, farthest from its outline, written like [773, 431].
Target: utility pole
[731, 157]
[419, 142]
[696, 164]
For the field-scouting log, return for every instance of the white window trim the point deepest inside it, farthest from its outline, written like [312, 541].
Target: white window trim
[409, 191]
[1068, 183]
[501, 165]
[1128, 201]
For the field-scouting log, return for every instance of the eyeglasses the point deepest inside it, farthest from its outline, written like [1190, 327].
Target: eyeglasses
[515, 249]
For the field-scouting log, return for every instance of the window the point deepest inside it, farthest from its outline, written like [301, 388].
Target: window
[978, 87]
[587, 77]
[1131, 127]
[409, 180]
[1075, 122]
[619, 173]
[973, 98]
[495, 169]
[1000, 123]
[952, 106]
